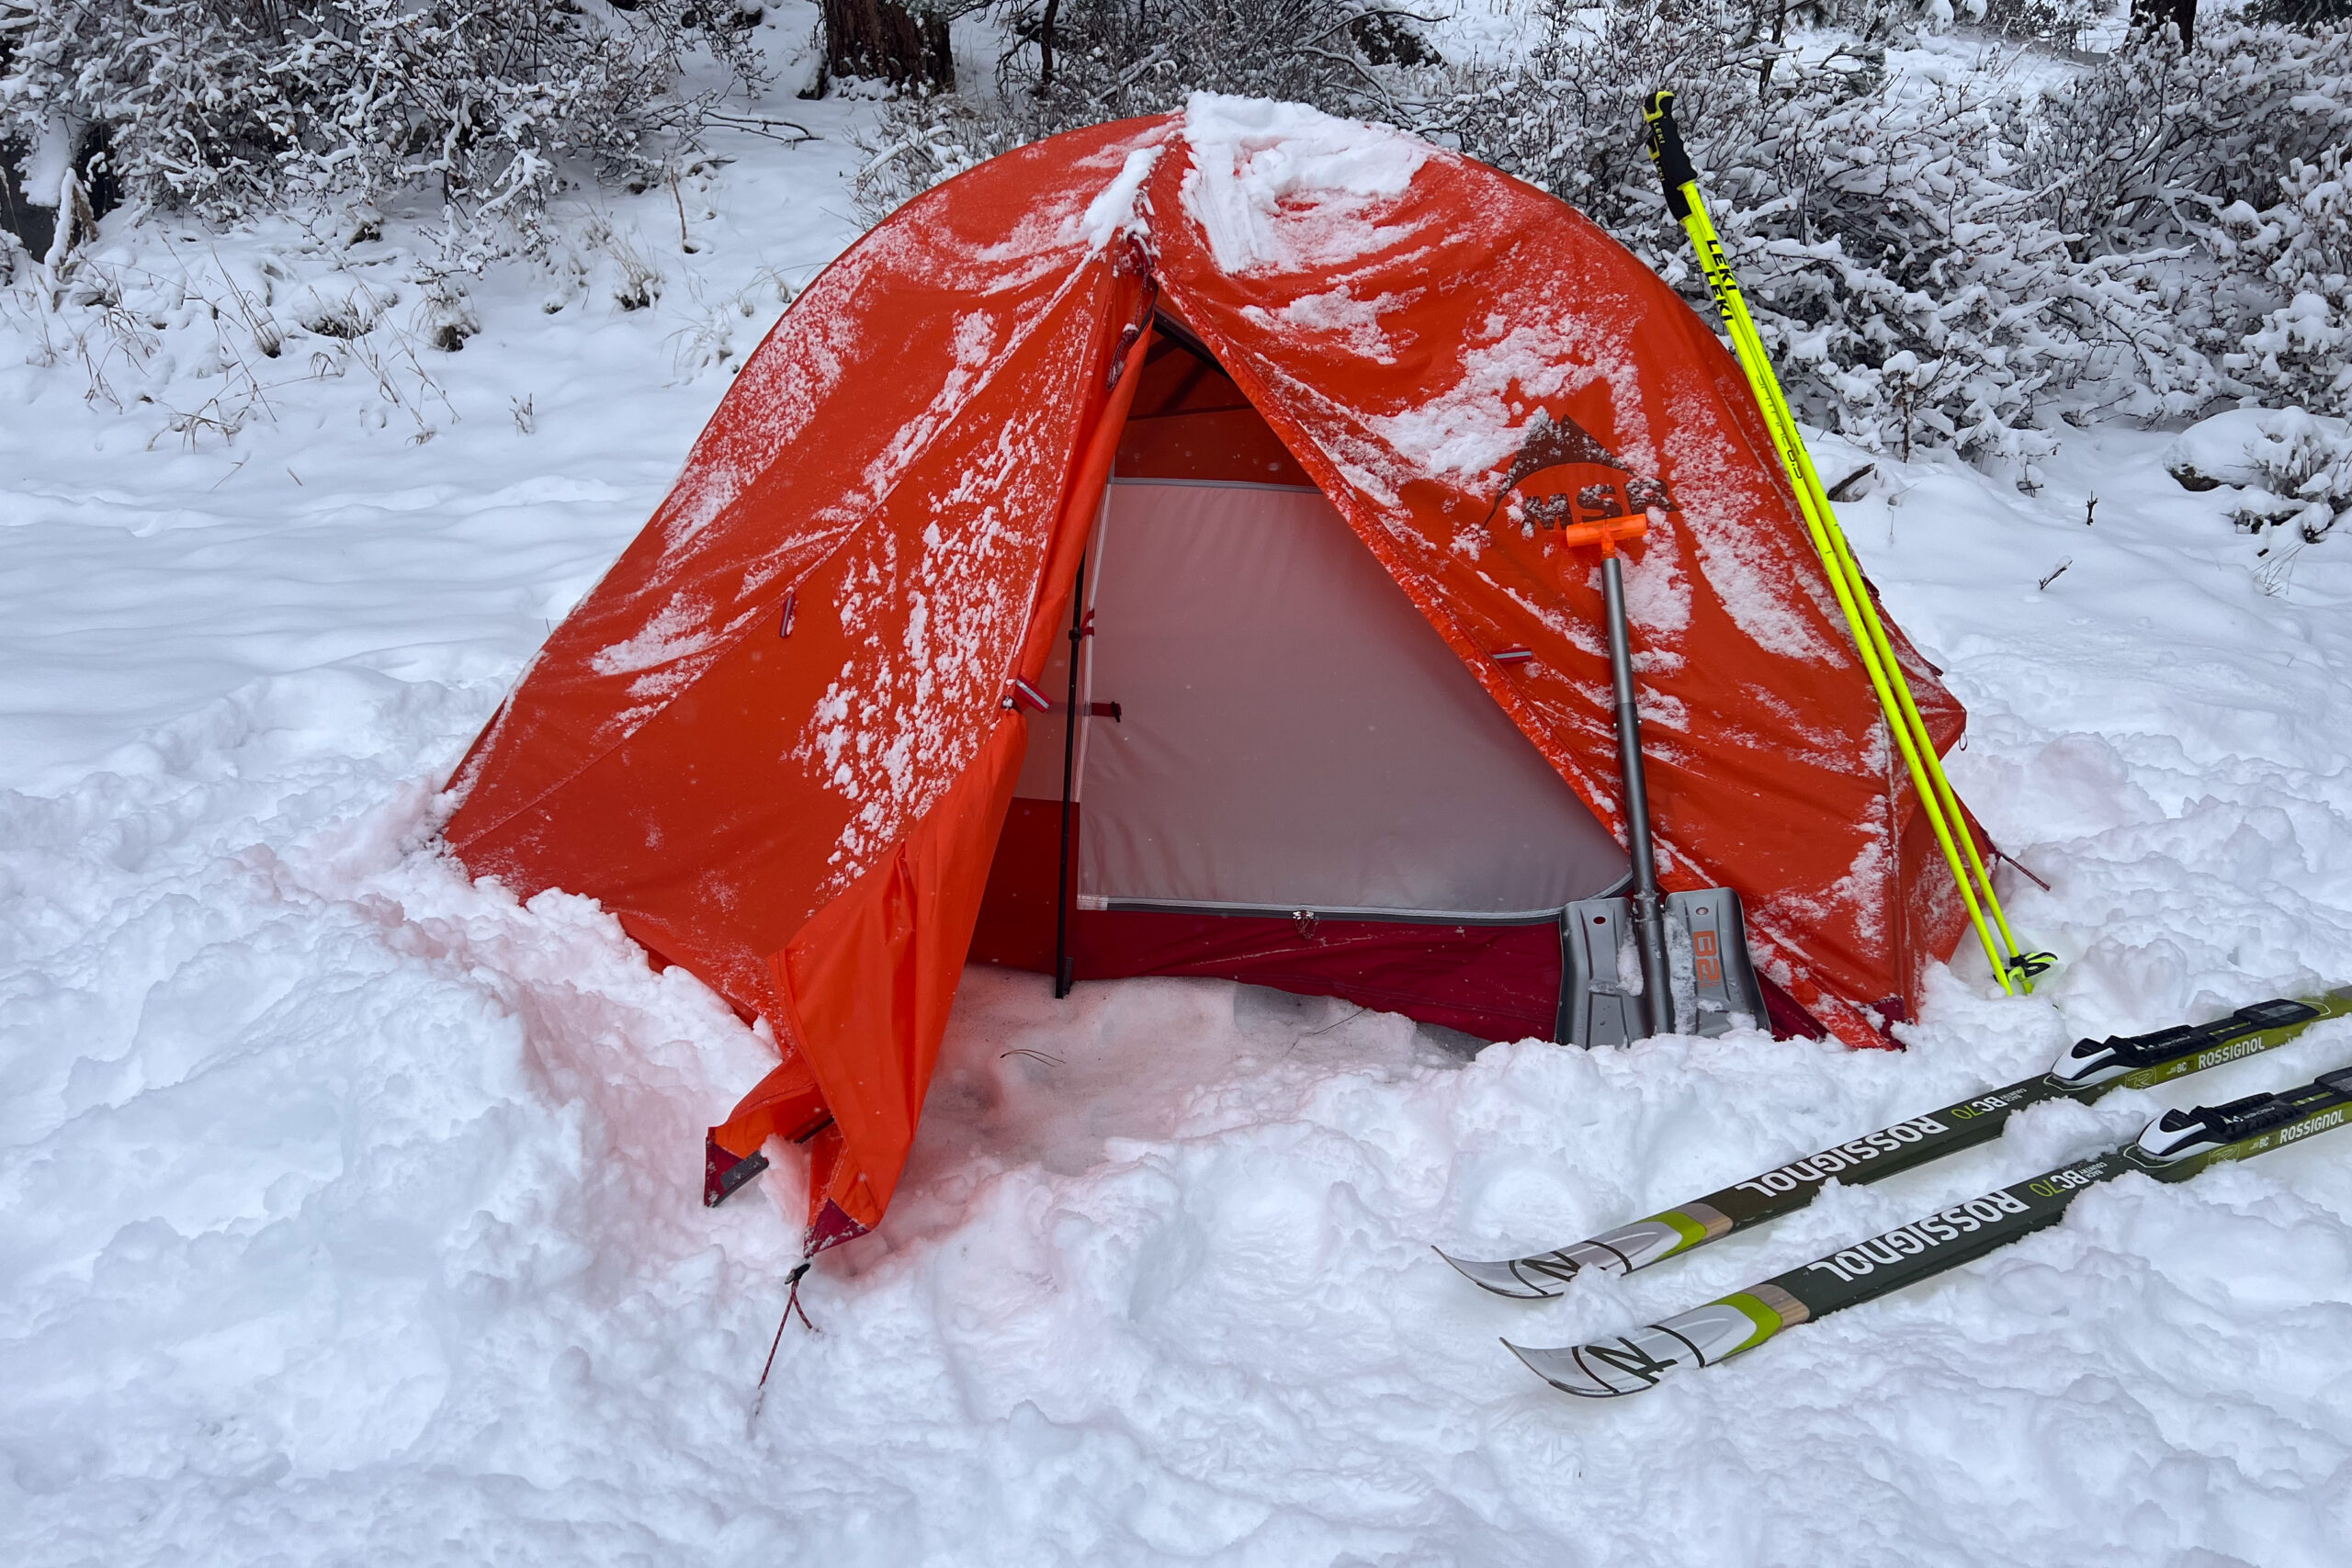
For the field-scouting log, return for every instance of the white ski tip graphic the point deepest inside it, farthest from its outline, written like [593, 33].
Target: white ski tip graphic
[1505, 1277]
[1567, 1369]
[1700, 1338]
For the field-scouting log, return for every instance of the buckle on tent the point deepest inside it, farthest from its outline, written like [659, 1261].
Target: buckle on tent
[1515, 654]
[1021, 694]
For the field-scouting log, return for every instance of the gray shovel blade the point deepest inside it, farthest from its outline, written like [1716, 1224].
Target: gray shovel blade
[1714, 983]
[1594, 1009]
[1723, 981]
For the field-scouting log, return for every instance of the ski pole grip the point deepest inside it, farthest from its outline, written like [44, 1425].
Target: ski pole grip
[1674, 165]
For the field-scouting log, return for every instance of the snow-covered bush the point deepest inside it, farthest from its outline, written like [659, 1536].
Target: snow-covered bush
[1908, 282]
[2216, 173]
[1073, 62]
[1078, 61]
[235, 107]
[2301, 350]
[921, 138]
[2297, 465]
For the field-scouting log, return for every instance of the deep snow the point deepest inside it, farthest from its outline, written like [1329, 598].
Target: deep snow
[348, 1213]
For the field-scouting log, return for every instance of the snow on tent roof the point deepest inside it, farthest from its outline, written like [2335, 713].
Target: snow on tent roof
[779, 738]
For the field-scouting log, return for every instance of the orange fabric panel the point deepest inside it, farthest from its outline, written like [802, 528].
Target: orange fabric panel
[903, 336]
[1083, 496]
[1190, 421]
[869, 980]
[785, 1104]
[717, 780]
[803, 658]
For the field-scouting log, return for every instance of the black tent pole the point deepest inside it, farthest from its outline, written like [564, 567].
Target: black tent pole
[1069, 779]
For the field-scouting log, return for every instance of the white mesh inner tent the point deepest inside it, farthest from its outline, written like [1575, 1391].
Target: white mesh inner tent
[1293, 734]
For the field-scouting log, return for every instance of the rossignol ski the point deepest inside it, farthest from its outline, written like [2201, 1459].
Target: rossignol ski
[2090, 1068]
[2176, 1147]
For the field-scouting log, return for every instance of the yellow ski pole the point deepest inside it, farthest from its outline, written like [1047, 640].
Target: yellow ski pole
[1937, 797]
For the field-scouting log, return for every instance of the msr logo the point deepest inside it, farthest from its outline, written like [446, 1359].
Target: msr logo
[1562, 476]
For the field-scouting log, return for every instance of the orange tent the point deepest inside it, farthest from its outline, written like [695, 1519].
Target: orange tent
[1263, 370]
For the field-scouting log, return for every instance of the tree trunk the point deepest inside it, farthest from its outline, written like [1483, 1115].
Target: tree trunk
[2152, 14]
[882, 37]
[1045, 46]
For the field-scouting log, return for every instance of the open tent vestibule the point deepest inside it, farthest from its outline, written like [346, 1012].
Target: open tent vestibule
[1281, 774]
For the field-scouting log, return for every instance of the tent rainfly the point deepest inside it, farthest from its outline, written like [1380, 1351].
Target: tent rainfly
[1248, 407]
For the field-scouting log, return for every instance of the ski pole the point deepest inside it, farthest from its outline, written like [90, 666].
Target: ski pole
[1937, 797]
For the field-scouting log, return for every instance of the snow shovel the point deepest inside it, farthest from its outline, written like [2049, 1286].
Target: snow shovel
[1633, 961]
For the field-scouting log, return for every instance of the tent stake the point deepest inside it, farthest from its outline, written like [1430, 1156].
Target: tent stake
[1070, 778]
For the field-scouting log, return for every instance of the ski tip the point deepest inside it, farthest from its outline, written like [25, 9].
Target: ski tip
[1567, 1369]
[1502, 1277]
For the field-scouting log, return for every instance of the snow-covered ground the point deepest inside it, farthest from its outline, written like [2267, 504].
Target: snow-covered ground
[349, 1213]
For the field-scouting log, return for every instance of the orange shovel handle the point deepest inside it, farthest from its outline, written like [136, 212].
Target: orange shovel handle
[1606, 533]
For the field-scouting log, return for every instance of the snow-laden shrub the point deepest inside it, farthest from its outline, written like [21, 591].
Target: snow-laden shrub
[2297, 465]
[2300, 350]
[1074, 62]
[1906, 279]
[1080, 61]
[922, 138]
[2219, 168]
[231, 107]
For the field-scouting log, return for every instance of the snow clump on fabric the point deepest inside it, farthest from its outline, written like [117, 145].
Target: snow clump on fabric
[1283, 188]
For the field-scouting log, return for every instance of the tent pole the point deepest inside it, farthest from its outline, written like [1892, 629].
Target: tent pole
[1069, 780]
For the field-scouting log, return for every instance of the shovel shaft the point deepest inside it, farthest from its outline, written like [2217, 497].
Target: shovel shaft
[1649, 913]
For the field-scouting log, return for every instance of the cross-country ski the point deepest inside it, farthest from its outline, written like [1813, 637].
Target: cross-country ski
[2084, 1072]
[2176, 1147]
